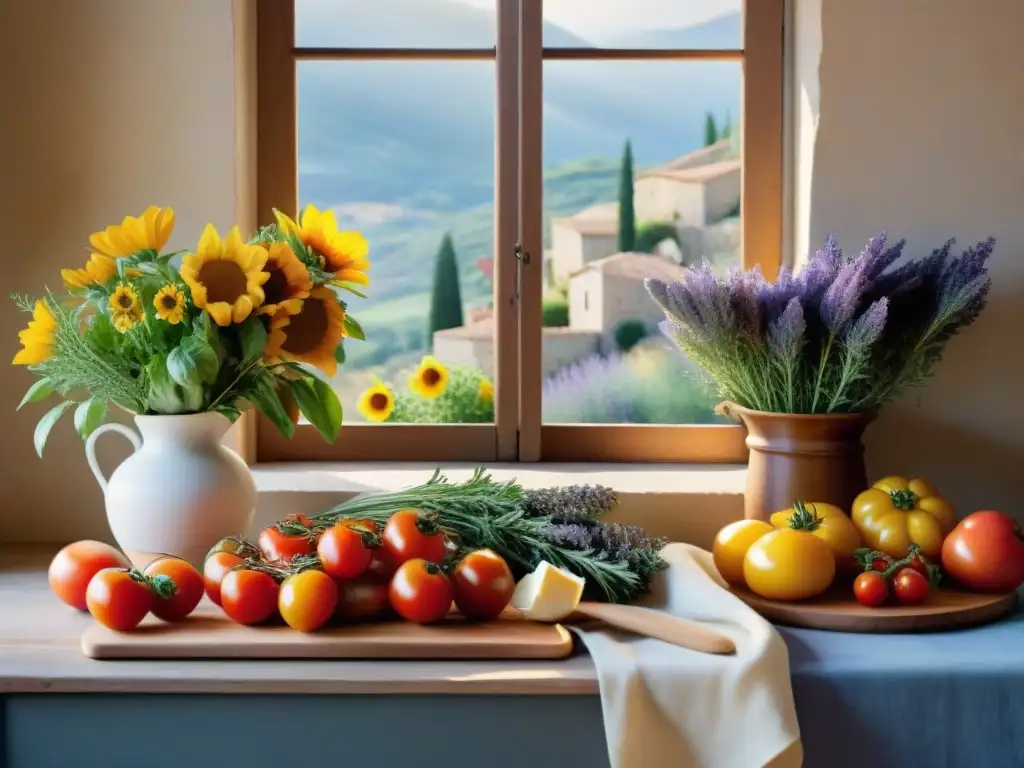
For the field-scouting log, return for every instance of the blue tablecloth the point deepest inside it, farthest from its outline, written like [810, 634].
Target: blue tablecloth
[922, 700]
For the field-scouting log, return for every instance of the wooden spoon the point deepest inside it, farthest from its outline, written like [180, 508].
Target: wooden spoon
[660, 626]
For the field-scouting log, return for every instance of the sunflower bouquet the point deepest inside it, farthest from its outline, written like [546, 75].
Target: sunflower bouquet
[231, 324]
[436, 395]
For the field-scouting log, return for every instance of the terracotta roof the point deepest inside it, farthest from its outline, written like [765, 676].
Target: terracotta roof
[601, 219]
[635, 266]
[698, 175]
[703, 156]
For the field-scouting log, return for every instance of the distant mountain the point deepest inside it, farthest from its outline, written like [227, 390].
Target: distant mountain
[725, 31]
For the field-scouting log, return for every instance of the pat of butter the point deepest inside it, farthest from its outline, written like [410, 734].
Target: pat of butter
[549, 593]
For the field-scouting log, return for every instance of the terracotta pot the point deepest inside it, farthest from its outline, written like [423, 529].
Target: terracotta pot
[806, 457]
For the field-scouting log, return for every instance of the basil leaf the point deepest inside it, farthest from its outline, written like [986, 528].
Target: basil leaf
[38, 391]
[254, 338]
[319, 403]
[90, 415]
[266, 401]
[353, 329]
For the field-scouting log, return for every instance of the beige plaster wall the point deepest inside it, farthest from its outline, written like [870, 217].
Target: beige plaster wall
[919, 123]
[109, 106]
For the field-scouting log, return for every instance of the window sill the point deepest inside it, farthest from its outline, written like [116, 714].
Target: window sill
[683, 502]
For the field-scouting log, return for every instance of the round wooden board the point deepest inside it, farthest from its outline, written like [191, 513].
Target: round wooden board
[838, 610]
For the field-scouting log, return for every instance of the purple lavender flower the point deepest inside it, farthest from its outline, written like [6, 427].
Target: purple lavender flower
[869, 326]
[743, 290]
[786, 335]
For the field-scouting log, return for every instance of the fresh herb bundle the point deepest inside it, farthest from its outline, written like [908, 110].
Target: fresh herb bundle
[560, 525]
[845, 335]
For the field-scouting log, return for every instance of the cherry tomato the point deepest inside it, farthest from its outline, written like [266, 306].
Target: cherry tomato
[75, 565]
[409, 534]
[307, 600]
[248, 597]
[382, 564]
[363, 599]
[870, 588]
[910, 587]
[482, 584]
[215, 569]
[188, 588]
[344, 551]
[235, 546]
[420, 591]
[119, 598]
[282, 546]
[880, 564]
[985, 552]
[361, 522]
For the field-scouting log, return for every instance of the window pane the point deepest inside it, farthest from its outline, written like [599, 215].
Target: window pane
[669, 24]
[404, 153]
[395, 23]
[604, 360]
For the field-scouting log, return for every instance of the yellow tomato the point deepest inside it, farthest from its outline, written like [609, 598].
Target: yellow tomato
[834, 526]
[731, 545]
[788, 564]
[895, 513]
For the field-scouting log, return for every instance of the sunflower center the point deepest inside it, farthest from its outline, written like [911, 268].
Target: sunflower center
[168, 302]
[431, 377]
[276, 288]
[224, 281]
[124, 301]
[307, 329]
[378, 401]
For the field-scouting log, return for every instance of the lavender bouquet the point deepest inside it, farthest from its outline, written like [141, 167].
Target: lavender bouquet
[845, 335]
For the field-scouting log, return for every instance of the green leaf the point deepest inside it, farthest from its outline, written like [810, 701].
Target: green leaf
[339, 354]
[350, 287]
[166, 396]
[298, 248]
[254, 338]
[89, 415]
[38, 391]
[193, 362]
[319, 404]
[266, 401]
[228, 411]
[46, 424]
[353, 329]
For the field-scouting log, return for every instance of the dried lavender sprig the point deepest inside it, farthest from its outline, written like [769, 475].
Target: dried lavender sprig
[573, 503]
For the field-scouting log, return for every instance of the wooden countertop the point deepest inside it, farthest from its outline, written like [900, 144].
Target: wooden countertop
[40, 653]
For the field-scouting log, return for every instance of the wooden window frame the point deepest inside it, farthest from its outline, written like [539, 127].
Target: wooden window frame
[518, 433]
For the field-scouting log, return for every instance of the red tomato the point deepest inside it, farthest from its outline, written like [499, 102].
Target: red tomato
[482, 584]
[880, 564]
[307, 600]
[282, 546]
[75, 565]
[188, 588]
[910, 587]
[343, 551]
[363, 599]
[409, 534]
[420, 592]
[248, 597]
[382, 564]
[119, 598]
[870, 588]
[985, 552]
[215, 569]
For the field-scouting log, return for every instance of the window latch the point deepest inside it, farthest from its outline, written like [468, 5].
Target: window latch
[522, 258]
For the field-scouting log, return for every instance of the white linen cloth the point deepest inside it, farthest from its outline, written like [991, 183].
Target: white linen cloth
[668, 706]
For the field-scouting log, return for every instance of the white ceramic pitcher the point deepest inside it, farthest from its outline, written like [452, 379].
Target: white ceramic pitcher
[180, 492]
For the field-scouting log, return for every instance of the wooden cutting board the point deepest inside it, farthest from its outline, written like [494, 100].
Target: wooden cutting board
[208, 634]
[838, 610]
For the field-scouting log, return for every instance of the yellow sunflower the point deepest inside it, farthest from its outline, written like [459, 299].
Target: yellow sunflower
[430, 378]
[125, 301]
[376, 403]
[170, 304]
[289, 281]
[225, 276]
[37, 339]
[486, 391]
[312, 334]
[344, 252]
[97, 271]
[124, 321]
[136, 233]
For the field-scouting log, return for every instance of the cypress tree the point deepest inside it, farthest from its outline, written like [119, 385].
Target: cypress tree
[710, 130]
[446, 299]
[727, 127]
[627, 215]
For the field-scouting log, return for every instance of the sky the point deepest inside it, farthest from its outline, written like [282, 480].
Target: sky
[597, 19]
